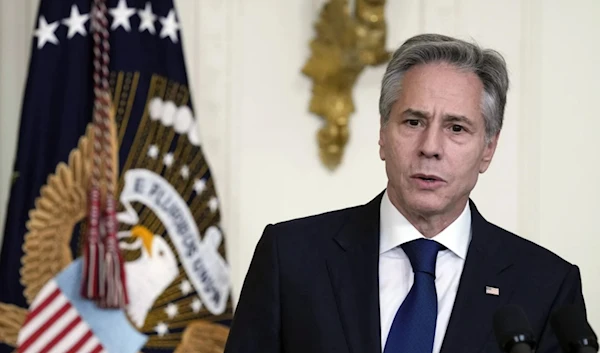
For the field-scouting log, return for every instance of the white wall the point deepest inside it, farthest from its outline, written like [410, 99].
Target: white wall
[569, 141]
[244, 60]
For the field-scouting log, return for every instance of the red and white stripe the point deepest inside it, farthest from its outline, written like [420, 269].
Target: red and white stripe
[53, 325]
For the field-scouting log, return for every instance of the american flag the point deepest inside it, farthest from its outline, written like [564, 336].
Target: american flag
[53, 325]
[60, 321]
[492, 290]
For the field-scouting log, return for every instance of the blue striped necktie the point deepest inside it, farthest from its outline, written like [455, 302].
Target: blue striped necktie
[413, 328]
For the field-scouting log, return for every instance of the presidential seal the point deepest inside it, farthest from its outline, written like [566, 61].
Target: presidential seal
[178, 279]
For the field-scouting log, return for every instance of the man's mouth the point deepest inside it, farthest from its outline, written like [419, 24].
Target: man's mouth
[428, 177]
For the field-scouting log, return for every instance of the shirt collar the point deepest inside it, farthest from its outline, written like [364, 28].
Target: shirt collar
[396, 230]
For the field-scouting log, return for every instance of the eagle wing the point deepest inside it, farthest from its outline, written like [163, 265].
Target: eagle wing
[203, 337]
[11, 320]
[61, 205]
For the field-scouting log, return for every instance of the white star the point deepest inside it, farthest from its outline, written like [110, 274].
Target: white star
[76, 22]
[121, 15]
[147, 19]
[185, 287]
[153, 152]
[162, 329]
[171, 310]
[45, 32]
[213, 203]
[170, 26]
[168, 159]
[185, 172]
[196, 305]
[199, 186]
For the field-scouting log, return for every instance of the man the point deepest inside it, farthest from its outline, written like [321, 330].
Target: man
[417, 269]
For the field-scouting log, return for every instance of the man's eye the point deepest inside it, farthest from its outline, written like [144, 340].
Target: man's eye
[457, 128]
[413, 122]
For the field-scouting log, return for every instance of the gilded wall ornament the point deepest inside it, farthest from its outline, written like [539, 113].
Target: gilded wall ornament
[345, 43]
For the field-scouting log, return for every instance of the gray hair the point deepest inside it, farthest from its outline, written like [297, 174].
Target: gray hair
[487, 64]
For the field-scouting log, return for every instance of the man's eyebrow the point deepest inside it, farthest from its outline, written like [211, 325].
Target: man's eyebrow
[416, 113]
[458, 118]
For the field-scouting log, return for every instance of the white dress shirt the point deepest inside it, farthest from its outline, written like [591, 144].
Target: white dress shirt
[395, 270]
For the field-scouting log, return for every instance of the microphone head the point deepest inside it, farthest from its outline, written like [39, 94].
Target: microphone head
[572, 329]
[511, 327]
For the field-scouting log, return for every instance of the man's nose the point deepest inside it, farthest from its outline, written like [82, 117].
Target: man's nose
[432, 142]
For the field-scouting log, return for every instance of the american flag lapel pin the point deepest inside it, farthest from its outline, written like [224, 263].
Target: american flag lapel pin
[492, 290]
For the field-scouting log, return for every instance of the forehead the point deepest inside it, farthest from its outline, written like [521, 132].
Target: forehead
[441, 89]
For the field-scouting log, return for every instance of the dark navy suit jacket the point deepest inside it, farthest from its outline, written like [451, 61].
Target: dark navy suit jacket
[312, 287]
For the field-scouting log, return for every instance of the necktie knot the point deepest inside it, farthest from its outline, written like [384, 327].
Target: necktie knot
[422, 254]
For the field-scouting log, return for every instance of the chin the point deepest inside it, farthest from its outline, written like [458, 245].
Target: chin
[427, 204]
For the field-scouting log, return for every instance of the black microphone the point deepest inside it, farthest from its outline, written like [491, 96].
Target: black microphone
[513, 331]
[573, 331]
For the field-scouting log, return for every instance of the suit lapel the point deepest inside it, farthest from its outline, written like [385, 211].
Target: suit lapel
[353, 265]
[470, 324]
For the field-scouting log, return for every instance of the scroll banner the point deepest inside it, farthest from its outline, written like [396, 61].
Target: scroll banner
[205, 267]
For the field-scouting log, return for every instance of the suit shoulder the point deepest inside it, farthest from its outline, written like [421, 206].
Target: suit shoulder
[530, 251]
[327, 222]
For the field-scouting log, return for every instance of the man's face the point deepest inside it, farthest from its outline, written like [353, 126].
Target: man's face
[434, 143]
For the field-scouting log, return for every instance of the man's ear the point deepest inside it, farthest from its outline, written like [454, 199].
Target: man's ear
[381, 143]
[488, 153]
